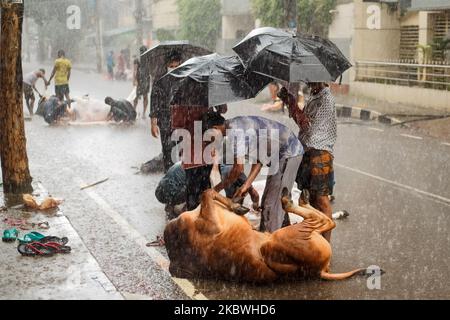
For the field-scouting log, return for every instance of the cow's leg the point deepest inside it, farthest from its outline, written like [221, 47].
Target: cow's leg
[235, 207]
[320, 222]
[209, 222]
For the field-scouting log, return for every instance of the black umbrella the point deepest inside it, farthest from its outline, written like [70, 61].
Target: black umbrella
[211, 80]
[155, 59]
[291, 57]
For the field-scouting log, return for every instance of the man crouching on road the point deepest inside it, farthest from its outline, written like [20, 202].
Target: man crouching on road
[121, 110]
[318, 135]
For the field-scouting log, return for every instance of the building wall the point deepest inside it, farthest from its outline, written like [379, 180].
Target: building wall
[237, 22]
[165, 15]
[375, 44]
[341, 32]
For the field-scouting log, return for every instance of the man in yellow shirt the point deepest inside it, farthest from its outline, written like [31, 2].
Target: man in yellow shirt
[61, 72]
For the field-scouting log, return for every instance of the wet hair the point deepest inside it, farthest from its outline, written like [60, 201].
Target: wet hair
[174, 56]
[109, 100]
[61, 53]
[42, 70]
[212, 119]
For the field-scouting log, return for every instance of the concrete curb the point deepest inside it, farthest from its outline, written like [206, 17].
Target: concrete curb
[364, 114]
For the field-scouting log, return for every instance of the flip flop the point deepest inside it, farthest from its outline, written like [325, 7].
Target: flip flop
[35, 249]
[31, 237]
[61, 241]
[58, 248]
[10, 235]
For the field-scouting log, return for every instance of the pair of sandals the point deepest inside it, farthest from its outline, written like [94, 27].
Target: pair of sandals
[47, 246]
[37, 244]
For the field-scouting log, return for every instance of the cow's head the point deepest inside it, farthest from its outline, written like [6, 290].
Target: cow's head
[182, 254]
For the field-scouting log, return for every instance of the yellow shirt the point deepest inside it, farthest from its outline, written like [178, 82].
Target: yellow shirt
[62, 67]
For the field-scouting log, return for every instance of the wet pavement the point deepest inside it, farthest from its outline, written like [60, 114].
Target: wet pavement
[394, 183]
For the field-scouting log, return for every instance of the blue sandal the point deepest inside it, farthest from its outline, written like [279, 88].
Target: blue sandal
[31, 237]
[10, 235]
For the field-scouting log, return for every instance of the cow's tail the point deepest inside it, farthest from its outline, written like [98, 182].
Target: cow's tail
[342, 276]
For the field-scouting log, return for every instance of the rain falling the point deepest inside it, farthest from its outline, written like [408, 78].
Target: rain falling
[224, 150]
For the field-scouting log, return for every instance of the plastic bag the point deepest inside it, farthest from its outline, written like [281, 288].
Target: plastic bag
[132, 95]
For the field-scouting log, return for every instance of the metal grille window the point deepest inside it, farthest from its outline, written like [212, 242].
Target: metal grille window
[441, 31]
[409, 39]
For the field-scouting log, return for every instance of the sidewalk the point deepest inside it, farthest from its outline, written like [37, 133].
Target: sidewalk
[422, 119]
[61, 277]
[366, 109]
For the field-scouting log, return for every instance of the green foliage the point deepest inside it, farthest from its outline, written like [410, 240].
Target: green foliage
[314, 16]
[165, 35]
[201, 21]
[270, 12]
[51, 18]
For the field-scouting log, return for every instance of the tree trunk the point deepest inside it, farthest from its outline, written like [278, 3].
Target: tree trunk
[139, 14]
[13, 152]
[99, 36]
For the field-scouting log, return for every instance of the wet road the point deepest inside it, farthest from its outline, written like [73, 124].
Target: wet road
[395, 185]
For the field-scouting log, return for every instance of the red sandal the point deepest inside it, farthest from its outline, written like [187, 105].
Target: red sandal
[35, 249]
[58, 247]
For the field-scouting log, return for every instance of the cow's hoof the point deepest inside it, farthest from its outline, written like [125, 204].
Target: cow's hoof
[241, 210]
[286, 199]
[341, 215]
[286, 193]
[304, 197]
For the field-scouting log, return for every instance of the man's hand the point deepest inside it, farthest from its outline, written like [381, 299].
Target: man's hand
[155, 131]
[241, 192]
[155, 128]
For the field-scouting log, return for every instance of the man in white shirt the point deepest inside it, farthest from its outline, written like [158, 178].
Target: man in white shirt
[29, 86]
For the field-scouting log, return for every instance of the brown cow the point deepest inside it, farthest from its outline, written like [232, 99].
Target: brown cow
[214, 242]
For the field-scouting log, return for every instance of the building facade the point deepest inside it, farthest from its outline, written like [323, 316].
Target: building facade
[399, 48]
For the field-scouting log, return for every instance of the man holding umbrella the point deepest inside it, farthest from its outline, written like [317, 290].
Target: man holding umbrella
[294, 58]
[160, 112]
[160, 60]
[318, 134]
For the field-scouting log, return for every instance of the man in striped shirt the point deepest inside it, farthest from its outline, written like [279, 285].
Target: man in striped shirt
[318, 135]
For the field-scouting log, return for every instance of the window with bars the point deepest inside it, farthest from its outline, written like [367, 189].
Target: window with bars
[441, 32]
[409, 39]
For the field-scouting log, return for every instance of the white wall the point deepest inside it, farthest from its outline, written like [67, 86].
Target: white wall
[438, 99]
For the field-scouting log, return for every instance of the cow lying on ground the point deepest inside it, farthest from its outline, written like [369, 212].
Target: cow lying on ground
[216, 241]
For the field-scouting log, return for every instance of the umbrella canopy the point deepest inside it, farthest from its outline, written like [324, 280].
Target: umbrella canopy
[212, 80]
[155, 59]
[291, 57]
